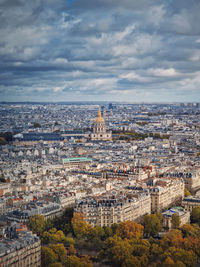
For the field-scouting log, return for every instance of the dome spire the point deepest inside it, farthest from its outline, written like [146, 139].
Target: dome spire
[99, 113]
[99, 119]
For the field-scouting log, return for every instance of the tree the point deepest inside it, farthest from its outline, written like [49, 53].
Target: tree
[192, 243]
[48, 256]
[36, 125]
[152, 224]
[178, 254]
[64, 222]
[176, 221]
[60, 251]
[132, 261]
[74, 261]
[108, 245]
[130, 230]
[53, 236]
[45, 237]
[36, 224]
[48, 224]
[168, 262]
[189, 230]
[69, 241]
[80, 227]
[121, 251]
[2, 178]
[55, 264]
[195, 215]
[156, 251]
[71, 250]
[173, 238]
[114, 227]
[179, 264]
[2, 141]
[187, 192]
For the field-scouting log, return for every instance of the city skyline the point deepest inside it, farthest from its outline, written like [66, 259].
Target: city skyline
[131, 51]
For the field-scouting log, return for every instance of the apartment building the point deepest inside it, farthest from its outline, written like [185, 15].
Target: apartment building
[107, 211]
[190, 177]
[165, 193]
[48, 210]
[190, 202]
[19, 247]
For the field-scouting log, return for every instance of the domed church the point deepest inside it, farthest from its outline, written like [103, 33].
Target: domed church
[99, 129]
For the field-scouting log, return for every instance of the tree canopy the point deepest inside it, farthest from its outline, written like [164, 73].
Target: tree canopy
[36, 223]
[152, 224]
[176, 220]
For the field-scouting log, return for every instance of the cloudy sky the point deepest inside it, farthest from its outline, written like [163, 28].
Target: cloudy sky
[130, 50]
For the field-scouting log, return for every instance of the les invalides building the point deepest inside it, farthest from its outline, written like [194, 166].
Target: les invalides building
[99, 130]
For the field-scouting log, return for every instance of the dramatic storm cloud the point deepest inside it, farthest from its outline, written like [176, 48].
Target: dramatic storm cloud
[130, 50]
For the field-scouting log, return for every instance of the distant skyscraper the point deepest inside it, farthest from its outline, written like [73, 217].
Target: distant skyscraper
[110, 106]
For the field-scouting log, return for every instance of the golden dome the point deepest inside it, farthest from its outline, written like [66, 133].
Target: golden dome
[99, 118]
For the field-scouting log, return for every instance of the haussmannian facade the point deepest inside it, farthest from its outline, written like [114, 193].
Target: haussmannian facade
[190, 202]
[163, 196]
[106, 212]
[20, 249]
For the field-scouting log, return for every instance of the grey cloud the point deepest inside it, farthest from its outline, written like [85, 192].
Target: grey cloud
[134, 4]
[85, 49]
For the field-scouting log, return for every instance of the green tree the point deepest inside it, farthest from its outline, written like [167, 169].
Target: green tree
[152, 224]
[36, 125]
[59, 250]
[2, 179]
[36, 224]
[140, 247]
[176, 221]
[195, 215]
[45, 237]
[114, 227]
[48, 256]
[48, 224]
[53, 236]
[64, 222]
[121, 251]
[74, 261]
[132, 261]
[2, 141]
